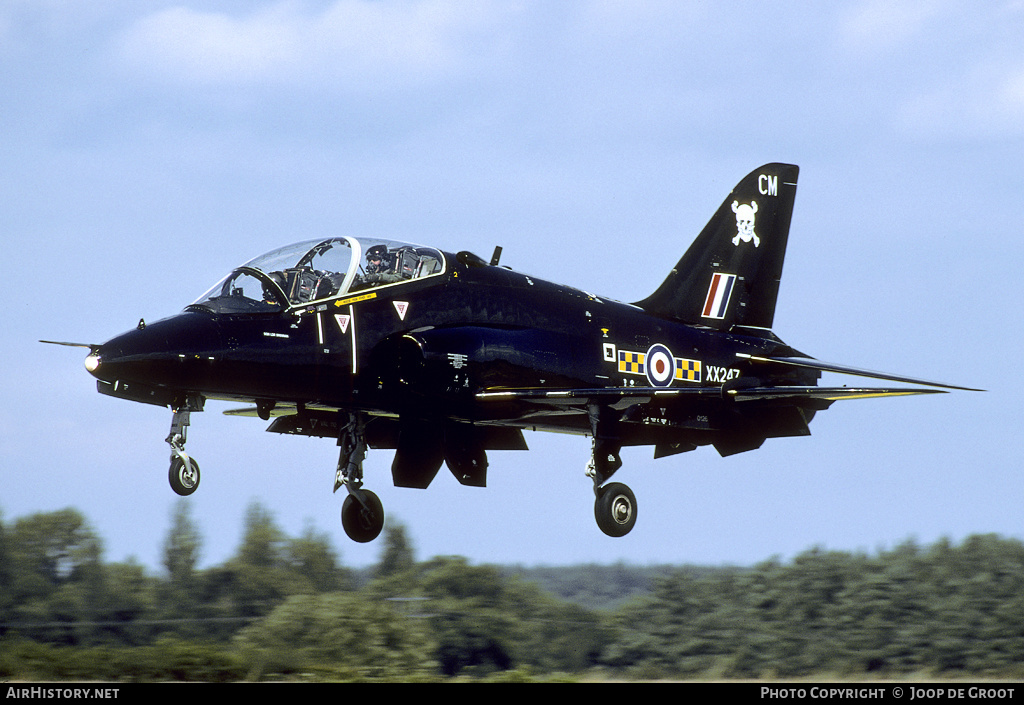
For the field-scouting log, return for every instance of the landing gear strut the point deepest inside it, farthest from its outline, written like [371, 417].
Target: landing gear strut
[184, 471]
[362, 514]
[615, 504]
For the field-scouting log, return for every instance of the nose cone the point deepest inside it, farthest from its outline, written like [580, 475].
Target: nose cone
[92, 362]
[169, 352]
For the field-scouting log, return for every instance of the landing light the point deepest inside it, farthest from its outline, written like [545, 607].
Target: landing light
[92, 362]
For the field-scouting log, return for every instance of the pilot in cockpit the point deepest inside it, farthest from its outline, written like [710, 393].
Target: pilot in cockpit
[269, 295]
[378, 266]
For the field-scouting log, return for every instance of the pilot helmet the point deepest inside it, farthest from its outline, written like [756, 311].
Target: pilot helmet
[375, 257]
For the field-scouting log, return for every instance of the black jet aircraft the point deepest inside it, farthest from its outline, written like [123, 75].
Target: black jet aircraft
[443, 357]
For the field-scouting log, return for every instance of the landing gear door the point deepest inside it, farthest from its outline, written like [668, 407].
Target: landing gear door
[336, 358]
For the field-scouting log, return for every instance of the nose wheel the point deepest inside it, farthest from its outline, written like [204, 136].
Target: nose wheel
[184, 475]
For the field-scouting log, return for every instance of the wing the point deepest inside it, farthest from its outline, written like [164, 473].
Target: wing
[617, 397]
[811, 363]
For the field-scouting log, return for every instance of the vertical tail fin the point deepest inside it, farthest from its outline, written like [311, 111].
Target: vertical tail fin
[730, 274]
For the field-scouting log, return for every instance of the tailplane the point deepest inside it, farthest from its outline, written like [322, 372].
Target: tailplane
[730, 275]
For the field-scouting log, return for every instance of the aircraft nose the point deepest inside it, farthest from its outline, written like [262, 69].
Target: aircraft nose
[92, 362]
[162, 353]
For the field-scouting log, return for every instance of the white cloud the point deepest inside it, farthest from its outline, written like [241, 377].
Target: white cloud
[944, 69]
[652, 20]
[880, 26]
[984, 102]
[352, 41]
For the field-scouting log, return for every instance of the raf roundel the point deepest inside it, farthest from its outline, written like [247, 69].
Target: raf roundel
[660, 366]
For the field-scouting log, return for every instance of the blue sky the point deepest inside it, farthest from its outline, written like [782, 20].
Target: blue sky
[149, 147]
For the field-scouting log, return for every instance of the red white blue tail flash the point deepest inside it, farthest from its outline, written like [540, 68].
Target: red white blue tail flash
[717, 302]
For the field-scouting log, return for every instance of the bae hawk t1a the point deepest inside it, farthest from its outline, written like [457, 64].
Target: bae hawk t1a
[443, 357]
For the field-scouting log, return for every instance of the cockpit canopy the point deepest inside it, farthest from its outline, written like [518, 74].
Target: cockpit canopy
[314, 270]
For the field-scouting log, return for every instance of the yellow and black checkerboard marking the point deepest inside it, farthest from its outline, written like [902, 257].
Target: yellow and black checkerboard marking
[688, 370]
[632, 362]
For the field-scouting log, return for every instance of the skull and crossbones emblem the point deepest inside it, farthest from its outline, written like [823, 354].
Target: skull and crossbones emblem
[745, 223]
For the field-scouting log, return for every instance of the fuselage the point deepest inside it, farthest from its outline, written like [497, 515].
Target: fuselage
[444, 357]
[428, 346]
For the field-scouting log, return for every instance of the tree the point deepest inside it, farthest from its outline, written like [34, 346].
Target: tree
[259, 570]
[181, 548]
[6, 577]
[337, 636]
[262, 541]
[180, 592]
[49, 550]
[314, 564]
[128, 600]
[397, 556]
[472, 622]
[56, 564]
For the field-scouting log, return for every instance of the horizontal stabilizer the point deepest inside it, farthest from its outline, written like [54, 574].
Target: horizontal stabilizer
[811, 363]
[823, 393]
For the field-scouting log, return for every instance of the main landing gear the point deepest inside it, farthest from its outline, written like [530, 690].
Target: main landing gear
[362, 514]
[184, 471]
[614, 504]
[615, 509]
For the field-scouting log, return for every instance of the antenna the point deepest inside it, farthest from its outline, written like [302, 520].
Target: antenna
[496, 256]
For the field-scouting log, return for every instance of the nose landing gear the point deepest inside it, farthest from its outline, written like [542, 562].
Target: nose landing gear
[183, 474]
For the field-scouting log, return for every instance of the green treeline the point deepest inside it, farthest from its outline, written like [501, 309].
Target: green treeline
[284, 608]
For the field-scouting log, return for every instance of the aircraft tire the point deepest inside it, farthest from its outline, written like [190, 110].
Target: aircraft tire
[183, 482]
[615, 509]
[362, 524]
